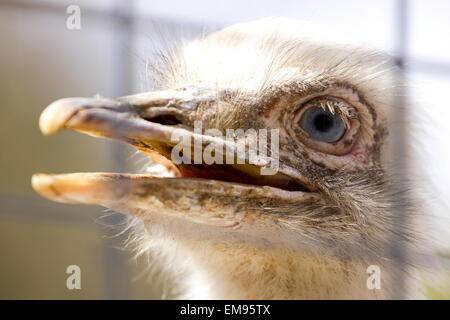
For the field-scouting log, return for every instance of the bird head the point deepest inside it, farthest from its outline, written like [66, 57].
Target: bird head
[311, 108]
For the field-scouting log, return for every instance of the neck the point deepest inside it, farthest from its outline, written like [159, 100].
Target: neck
[225, 271]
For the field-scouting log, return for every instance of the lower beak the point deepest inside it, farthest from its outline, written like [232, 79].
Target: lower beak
[203, 201]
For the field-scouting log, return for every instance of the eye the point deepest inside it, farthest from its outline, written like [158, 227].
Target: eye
[322, 125]
[326, 124]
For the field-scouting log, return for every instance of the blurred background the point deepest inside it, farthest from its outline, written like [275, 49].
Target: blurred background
[42, 60]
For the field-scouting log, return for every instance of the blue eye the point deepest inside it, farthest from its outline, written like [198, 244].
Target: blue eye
[322, 125]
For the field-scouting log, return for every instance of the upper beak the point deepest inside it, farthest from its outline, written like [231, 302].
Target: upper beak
[137, 120]
[121, 118]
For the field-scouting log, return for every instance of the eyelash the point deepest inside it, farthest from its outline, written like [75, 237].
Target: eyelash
[344, 109]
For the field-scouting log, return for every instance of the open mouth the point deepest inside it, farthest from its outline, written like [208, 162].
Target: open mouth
[148, 122]
[228, 173]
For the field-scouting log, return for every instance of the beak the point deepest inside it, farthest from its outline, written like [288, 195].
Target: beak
[121, 119]
[149, 122]
[152, 122]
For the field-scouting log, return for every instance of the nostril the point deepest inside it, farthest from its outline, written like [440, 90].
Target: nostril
[165, 119]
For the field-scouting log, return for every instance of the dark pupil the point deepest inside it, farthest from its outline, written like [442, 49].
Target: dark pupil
[323, 122]
[322, 125]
